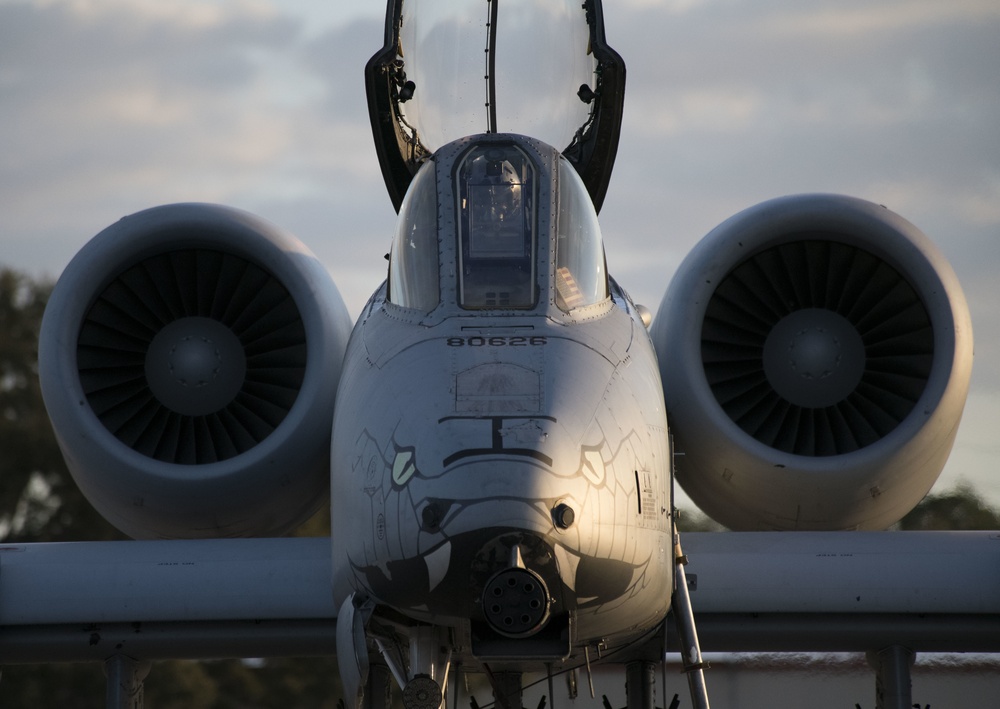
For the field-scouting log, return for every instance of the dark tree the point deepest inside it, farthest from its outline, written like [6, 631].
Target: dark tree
[696, 521]
[959, 508]
[39, 502]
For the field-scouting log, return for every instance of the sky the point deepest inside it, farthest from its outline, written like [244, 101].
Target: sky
[108, 107]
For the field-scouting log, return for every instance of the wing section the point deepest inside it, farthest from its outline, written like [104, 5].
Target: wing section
[751, 591]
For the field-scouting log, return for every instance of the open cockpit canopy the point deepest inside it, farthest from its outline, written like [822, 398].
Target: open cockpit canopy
[452, 68]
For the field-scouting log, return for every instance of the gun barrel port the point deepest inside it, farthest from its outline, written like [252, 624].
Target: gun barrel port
[516, 602]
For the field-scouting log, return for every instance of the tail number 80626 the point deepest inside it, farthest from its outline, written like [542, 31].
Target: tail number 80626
[497, 341]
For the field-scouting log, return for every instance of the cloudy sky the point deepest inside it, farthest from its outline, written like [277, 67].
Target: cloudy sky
[111, 106]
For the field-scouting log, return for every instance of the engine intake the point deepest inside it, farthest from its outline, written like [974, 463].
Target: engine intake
[189, 360]
[815, 352]
[815, 347]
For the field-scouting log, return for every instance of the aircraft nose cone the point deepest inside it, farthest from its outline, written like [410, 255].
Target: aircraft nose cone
[814, 357]
[814, 353]
[194, 361]
[195, 366]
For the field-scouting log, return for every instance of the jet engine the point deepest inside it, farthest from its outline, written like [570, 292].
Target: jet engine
[815, 353]
[189, 359]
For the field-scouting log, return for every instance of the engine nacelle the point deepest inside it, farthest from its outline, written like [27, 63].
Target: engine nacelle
[815, 352]
[189, 360]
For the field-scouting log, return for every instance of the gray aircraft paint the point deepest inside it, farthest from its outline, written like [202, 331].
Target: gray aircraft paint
[540, 408]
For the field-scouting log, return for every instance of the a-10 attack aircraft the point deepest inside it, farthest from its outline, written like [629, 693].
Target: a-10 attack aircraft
[501, 429]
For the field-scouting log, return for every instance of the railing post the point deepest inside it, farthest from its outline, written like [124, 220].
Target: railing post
[893, 689]
[124, 681]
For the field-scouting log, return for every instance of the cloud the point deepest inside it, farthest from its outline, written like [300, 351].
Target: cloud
[982, 206]
[190, 14]
[118, 84]
[112, 107]
[854, 21]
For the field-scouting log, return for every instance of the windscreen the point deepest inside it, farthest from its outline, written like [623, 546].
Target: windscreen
[414, 280]
[581, 274]
[496, 207]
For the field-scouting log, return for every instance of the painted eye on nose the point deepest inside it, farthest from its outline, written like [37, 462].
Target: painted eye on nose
[403, 466]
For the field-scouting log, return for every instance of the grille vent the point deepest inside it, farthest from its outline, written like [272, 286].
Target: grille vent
[816, 273]
[194, 283]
